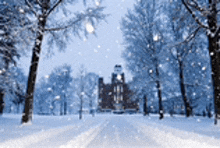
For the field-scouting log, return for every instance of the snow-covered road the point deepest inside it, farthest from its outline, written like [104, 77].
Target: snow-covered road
[113, 131]
[119, 133]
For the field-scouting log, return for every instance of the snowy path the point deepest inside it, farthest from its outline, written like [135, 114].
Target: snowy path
[118, 133]
[113, 131]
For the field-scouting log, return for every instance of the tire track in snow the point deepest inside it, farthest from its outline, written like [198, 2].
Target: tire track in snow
[26, 141]
[117, 137]
[84, 139]
[66, 136]
[170, 139]
[119, 133]
[43, 138]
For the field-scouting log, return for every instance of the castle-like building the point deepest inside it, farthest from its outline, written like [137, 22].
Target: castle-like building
[116, 97]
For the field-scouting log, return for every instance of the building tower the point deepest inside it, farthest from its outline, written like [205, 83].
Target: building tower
[117, 84]
[116, 96]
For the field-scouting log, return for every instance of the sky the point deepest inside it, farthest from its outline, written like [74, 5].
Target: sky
[98, 54]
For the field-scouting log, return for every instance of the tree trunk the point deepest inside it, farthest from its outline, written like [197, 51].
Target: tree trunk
[65, 105]
[172, 109]
[188, 108]
[18, 108]
[214, 54]
[159, 93]
[65, 108]
[28, 109]
[215, 75]
[2, 91]
[81, 106]
[61, 107]
[2, 104]
[145, 105]
[52, 107]
[91, 111]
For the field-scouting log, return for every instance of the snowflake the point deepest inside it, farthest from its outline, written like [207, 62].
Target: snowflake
[57, 98]
[47, 76]
[21, 10]
[90, 28]
[49, 89]
[97, 2]
[156, 38]
[95, 50]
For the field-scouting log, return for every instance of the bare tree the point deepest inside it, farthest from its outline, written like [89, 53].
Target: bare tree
[45, 12]
[91, 90]
[205, 14]
[143, 41]
[80, 88]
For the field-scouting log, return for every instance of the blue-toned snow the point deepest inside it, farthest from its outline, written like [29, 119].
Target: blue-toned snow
[109, 131]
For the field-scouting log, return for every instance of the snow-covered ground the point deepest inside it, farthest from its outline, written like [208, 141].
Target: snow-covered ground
[109, 131]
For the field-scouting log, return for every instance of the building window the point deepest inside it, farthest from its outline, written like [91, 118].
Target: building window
[118, 88]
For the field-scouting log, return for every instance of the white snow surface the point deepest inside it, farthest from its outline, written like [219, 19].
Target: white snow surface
[109, 131]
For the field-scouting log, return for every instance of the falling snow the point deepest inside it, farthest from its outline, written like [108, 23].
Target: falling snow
[156, 37]
[90, 28]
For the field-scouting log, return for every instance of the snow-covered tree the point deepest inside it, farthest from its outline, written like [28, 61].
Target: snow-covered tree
[15, 92]
[61, 79]
[79, 86]
[143, 43]
[43, 97]
[54, 91]
[177, 18]
[49, 21]
[185, 47]
[206, 14]
[91, 82]
[85, 91]
[9, 21]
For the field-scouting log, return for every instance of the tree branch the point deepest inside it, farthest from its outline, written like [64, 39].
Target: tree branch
[196, 6]
[31, 7]
[64, 27]
[54, 7]
[217, 33]
[194, 16]
[39, 3]
[189, 38]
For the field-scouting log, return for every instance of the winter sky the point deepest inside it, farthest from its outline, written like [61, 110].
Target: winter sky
[98, 54]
